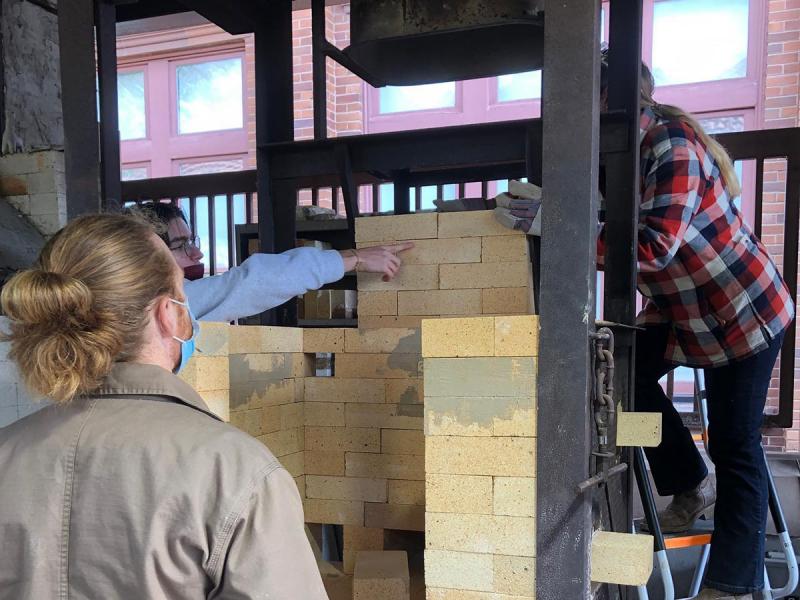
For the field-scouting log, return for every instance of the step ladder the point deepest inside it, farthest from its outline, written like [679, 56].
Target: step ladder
[700, 534]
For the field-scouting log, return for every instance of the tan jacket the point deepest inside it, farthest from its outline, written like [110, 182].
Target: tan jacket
[140, 492]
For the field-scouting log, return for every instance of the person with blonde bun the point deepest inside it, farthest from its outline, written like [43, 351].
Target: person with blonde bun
[126, 485]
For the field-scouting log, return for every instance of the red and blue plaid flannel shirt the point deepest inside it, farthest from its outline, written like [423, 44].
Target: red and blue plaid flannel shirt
[701, 267]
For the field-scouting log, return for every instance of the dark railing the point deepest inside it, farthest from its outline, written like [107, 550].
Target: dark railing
[762, 146]
[235, 191]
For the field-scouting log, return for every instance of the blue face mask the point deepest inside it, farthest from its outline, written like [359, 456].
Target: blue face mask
[187, 346]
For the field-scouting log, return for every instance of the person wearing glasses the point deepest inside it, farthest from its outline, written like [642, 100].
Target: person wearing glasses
[263, 281]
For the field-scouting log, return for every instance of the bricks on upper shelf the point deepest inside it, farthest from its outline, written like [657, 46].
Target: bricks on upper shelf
[480, 457]
[381, 575]
[463, 264]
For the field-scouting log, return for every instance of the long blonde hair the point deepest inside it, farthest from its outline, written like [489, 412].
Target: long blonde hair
[720, 155]
[83, 306]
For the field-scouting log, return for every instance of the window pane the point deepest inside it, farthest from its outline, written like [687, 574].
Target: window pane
[417, 97]
[211, 166]
[130, 99]
[519, 86]
[210, 96]
[133, 173]
[721, 52]
[714, 125]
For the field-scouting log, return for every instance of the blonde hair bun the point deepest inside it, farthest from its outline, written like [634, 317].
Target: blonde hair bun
[53, 300]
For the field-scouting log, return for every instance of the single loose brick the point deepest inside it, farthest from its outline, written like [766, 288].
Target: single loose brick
[330, 389]
[346, 488]
[406, 492]
[323, 340]
[383, 341]
[504, 248]
[458, 337]
[396, 228]
[638, 429]
[387, 366]
[390, 466]
[506, 301]
[381, 575]
[405, 517]
[516, 336]
[439, 302]
[334, 512]
[377, 303]
[484, 275]
[413, 277]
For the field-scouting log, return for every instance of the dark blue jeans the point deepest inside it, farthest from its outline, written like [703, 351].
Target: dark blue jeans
[736, 394]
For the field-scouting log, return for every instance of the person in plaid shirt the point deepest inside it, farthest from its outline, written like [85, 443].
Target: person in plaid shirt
[716, 301]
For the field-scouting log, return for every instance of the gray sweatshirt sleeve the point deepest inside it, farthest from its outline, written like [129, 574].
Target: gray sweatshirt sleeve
[261, 282]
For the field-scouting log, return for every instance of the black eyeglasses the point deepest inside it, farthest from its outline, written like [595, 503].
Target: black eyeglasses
[185, 244]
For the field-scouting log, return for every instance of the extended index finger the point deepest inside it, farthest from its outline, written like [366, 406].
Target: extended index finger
[401, 247]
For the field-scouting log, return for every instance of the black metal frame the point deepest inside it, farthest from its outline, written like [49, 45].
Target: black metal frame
[777, 143]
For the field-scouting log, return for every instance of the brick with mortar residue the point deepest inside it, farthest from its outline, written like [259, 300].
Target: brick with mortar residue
[381, 575]
[514, 496]
[399, 441]
[357, 539]
[245, 368]
[330, 389]
[439, 302]
[505, 301]
[281, 443]
[459, 570]
[250, 339]
[257, 394]
[406, 492]
[346, 488]
[375, 322]
[516, 335]
[515, 574]
[323, 340]
[473, 336]
[507, 456]
[387, 366]
[219, 402]
[464, 494]
[484, 275]
[405, 517]
[475, 223]
[377, 303]
[404, 391]
[491, 534]
[504, 248]
[324, 414]
[414, 277]
[334, 512]
[348, 439]
[324, 463]
[435, 252]
[384, 416]
[383, 341]
[213, 339]
[294, 463]
[396, 227]
[391, 466]
[207, 373]
[480, 377]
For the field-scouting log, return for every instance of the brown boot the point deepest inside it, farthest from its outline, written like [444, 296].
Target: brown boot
[686, 507]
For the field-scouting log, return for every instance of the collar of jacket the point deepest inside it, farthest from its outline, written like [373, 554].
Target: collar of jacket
[136, 379]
